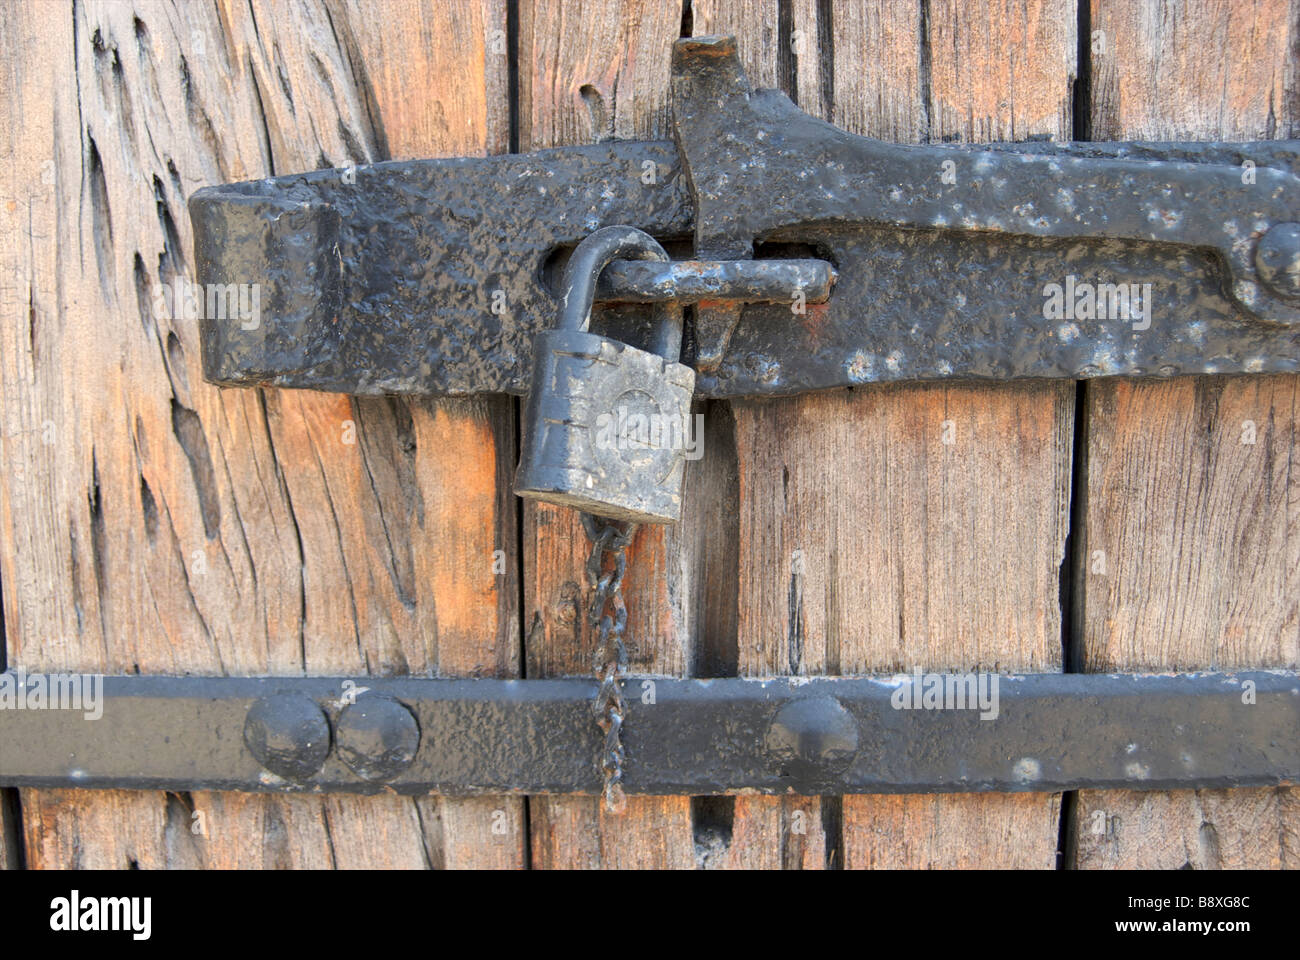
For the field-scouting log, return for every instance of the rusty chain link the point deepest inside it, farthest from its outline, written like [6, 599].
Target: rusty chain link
[609, 616]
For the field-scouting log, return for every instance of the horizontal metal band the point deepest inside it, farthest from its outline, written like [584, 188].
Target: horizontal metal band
[1042, 732]
[386, 283]
[995, 262]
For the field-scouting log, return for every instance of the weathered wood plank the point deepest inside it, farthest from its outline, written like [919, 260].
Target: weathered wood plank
[1196, 70]
[960, 831]
[586, 74]
[174, 527]
[1001, 71]
[963, 554]
[767, 832]
[860, 480]
[867, 542]
[1191, 539]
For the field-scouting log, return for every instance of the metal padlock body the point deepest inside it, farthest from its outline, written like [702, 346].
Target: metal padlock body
[592, 405]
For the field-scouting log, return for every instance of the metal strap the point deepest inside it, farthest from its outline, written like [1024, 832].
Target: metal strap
[1043, 732]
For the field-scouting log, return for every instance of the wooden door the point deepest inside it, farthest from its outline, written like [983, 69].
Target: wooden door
[151, 522]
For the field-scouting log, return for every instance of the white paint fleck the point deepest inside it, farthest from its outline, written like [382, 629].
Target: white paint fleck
[1105, 360]
[1027, 770]
[859, 366]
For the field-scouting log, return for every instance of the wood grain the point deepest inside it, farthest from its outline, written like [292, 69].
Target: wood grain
[1001, 71]
[1196, 527]
[866, 543]
[994, 70]
[167, 526]
[1195, 70]
[878, 71]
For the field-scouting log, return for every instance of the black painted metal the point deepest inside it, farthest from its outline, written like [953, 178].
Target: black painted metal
[430, 277]
[691, 281]
[826, 735]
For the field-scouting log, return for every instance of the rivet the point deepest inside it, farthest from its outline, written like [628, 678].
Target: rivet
[288, 734]
[377, 737]
[811, 737]
[1277, 258]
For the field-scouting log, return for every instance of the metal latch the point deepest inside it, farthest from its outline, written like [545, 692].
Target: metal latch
[818, 259]
[1037, 259]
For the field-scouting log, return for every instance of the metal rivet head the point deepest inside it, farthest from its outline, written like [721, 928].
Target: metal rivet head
[812, 737]
[288, 734]
[377, 737]
[1277, 258]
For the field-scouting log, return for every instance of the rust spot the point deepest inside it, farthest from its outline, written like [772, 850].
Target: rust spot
[814, 320]
[714, 48]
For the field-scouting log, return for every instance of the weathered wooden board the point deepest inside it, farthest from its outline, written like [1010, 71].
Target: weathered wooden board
[588, 73]
[155, 523]
[1190, 546]
[868, 542]
[765, 832]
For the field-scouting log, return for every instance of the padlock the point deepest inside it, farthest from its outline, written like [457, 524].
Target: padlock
[606, 428]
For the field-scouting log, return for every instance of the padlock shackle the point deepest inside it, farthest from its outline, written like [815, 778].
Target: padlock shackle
[593, 255]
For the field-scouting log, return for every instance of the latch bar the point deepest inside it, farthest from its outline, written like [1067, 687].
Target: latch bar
[1005, 261]
[693, 281]
[903, 734]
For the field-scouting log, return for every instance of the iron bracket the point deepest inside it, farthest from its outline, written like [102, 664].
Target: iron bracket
[1070, 260]
[832, 735]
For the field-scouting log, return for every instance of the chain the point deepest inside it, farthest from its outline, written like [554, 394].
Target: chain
[609, 616]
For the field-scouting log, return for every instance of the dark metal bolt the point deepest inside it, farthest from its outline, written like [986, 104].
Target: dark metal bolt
[377, 737]
[812, 737]
[288, 734]
[1278, 258]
